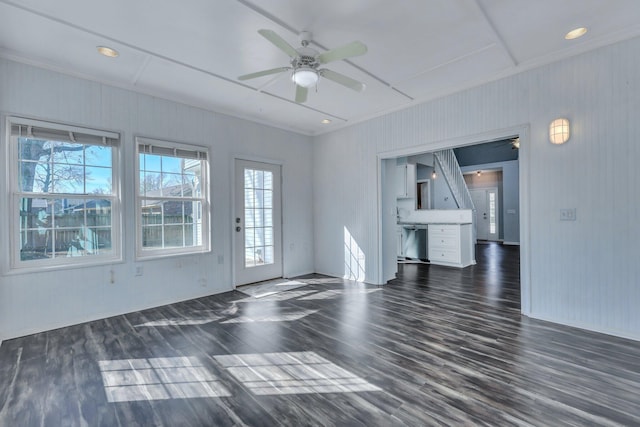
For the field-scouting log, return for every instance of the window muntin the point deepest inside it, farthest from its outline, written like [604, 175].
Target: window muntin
[172, 202]
[258, 222]
[64, 201]
[492, 212]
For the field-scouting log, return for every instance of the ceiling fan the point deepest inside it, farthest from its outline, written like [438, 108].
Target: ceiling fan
[305, 63]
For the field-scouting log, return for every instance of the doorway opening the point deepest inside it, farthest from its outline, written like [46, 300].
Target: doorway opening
[258, 222]
[494, 166]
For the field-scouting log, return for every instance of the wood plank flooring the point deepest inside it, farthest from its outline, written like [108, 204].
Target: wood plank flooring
[437, 346]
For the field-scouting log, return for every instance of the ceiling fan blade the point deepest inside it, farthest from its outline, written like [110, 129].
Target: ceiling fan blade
[279, 42]
[263, 73]
[342, 79]
[347, 51]
[301, 94]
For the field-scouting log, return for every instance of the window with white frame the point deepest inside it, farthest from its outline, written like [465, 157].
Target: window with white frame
[172, 198]
[64, 194]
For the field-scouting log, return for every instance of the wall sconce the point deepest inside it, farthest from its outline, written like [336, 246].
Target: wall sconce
[559, 131]
[479, 173]
[433, 174]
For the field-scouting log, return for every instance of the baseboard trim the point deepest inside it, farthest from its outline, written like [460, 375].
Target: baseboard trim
[590, 328]
[511, 243]
[297, 274]
[104, 315]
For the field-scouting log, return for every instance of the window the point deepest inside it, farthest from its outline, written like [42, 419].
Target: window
[492, 212]
[64, 194]
[258, 217]
[172, 199]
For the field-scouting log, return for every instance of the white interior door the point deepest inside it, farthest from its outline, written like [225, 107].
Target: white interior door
[487, 213]
[257, 222]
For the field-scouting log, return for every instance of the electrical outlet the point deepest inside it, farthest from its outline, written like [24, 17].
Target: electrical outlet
[568, 214]
[139, 270]
[220, 259]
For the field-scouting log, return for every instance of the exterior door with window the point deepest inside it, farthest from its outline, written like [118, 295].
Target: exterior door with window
[485, 201]
[257, 222]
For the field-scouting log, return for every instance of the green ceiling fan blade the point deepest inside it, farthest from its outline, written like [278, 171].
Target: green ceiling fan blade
[347, 51]
[342, 79]
[263, 73]
[301, 94]
[279, 42]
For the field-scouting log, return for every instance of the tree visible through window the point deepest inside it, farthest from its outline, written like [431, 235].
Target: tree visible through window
[64, 197]
[171, 198]
[258, 212]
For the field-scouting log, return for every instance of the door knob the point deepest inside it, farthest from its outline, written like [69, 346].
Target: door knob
[238, 228]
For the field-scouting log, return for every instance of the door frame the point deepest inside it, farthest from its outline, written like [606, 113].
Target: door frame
[524, 179]
[232, 209]
[486, 191]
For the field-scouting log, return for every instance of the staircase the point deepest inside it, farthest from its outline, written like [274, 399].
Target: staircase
[455, 180]
[453, 175]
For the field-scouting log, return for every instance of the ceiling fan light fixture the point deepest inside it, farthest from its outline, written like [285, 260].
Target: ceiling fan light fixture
[305, 76]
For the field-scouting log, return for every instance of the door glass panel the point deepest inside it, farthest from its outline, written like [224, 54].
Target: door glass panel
[258, 227]
[492, 213]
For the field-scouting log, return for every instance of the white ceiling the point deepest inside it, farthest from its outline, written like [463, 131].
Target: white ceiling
[193, 51]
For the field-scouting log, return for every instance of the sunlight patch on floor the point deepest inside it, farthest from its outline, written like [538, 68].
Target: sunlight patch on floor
[178, 322]
[159, 378]
[280, 296]
[272, 318]
[337, 292]
[292, 373]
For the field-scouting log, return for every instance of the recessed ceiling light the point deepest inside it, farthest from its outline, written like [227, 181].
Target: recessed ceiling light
[325, 121]
[107, 51]
[574, 34]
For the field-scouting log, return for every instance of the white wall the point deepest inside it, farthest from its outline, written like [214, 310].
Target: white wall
[442, 195]
[41, 301]
[510, 197]
[583, 273]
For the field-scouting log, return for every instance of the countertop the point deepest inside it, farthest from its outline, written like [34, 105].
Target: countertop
[425, 224]
[436, 216]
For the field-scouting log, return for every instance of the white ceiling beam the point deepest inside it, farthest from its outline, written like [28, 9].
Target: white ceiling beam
[496, 33]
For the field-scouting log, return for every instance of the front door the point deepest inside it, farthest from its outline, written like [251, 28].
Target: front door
[257, 222]
[485, 201]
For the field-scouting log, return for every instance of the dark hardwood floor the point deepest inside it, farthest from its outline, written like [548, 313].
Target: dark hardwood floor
[437, 346]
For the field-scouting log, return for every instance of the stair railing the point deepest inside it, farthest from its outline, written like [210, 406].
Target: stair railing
[455, 180]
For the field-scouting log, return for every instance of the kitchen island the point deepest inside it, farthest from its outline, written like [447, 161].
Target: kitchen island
[450, 235]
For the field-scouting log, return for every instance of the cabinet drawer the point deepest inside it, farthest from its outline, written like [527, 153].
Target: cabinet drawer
[444, 230]
[449, 255]
[444, 242]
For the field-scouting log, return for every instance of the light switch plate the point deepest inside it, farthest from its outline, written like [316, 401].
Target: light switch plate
[568, 214]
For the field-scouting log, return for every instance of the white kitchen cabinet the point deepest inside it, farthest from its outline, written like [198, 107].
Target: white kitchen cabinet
[451, 244]
[406, 181]
[399, 242]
